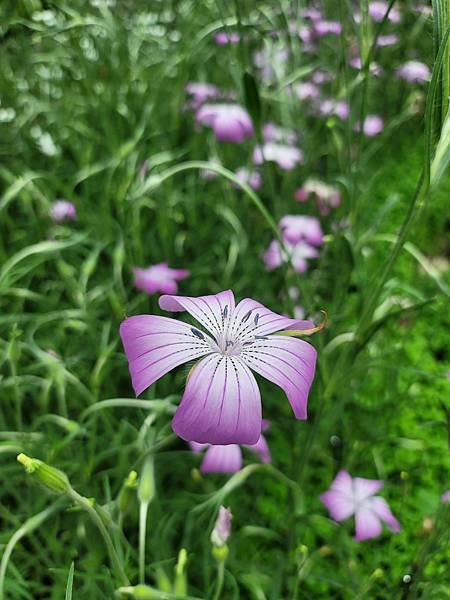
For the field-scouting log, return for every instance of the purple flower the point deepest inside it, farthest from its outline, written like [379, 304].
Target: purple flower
[349, 496]
[228, 459]
[221, 403]
[300, 228]
[327, 196]
[339, 108]
[63, 210]
[373, 125]
[310, 13]
[298, 254]
[222, 528]
[158, 278]
[445, 496]
[229, 122]
[223, 38]
[307, 91]
[201, 92]
[322, 28]
[414, 71]
[390, 39]
[378, 9]
[375, 68]
[273, 133]
[286, 157]
[319, 77]
[251, 178]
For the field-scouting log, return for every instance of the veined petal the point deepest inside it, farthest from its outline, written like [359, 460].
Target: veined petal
[156, 345]
[252, 318]
[339, 505]
[380, 507]
[287, 362]
[221, 403]
[343, 482]
[222, 459]
[367, 523]
[363, 488]
[210, 311]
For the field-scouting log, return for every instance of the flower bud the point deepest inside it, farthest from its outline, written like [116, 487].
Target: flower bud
[146, 489]
[53, 479]
[222, 528]
[180, 585]
[127, 492]
[220, 553]
[141, 592]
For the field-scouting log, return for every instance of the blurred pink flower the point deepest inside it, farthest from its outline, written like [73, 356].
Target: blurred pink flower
[349, 496]
[339, 108]
[158, 278]
[375, 68]
[201, 92]
[390, 39]
[222, 38]
[251, 178]
[306, 91]
[322, 28]
[378, 9]
[301, 228]
[445, 496]
[373, 125]
[222, 527]
[221, 403]
[229, 122]
[273, 133]
[310, 13]
[319, 77]
[299, 254]
[413, 71]
[326, 196]
[63, 210]
[286, 157]
[228, 459]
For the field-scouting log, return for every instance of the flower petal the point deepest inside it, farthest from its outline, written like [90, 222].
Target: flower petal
[262, 449]
[287, 362]
[222, 459]
[196, 447]
[339, 505]
[381, 508]
[156, 345]
[368, 524]
[210, 311]
[363, 488]
[221, 403]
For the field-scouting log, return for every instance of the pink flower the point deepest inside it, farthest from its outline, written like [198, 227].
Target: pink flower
[158, 278]
[300, 228]
[201, 92]
[221, 403]
[273, 133]
[414, 71]
[390, 39]
[322, 28]
[251, 178]
[373, 125]
[228, 459]
[286, 157]
[310, 13]
[319, 77]
[307, 91]
[375, 68]
[327, 196]
[339, 108]
[63, 210]
[445, 496]
[222, 527]
[298, 254]
[223, 38]
[349, 496]
[378, 9]
[229, 122]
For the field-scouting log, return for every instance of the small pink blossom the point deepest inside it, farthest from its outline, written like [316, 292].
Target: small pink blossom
[297, 254]
[307, 91]
[222, 527]
[228, 459]
[286, 157]
[251, 178]
[375, 68]
[229, 122]
[445, 496]
[273, 133]
[349, 496]
[373, 125]
[222, 38]
[200, 92]
[389, 39]
[414, 71]
[159, 278]
[327, 197]
[310, 13]
[63, 210]
[320, 77]
[301, 228]
[339, 108]
[322, 28]
[299, 312]
[378, 9]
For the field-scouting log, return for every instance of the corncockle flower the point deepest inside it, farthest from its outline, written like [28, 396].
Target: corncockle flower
[229, 122]
[375, 68]
[222, 528]
[273, 133]
[310, 13]
[389, 39]
[372, 126]
[413, 71]
[327, 196]
[63, 210]
[159, 278]
[307, 91]
[286, 157]
[221, 403]
[251, 178]
[228, 459]
[275, 255]
[319, 77]
[349, 496]
[298, 228]
[201, 92]
[378, 9]
[339, 108]
[445, 496]
[222, 38]
[322, 28]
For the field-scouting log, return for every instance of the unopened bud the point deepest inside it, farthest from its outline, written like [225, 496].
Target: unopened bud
[180, 585]
[127, 492]
[141, 592]
[377, 574]
[146, 489]
[53, 479]
[220, 553]
[162, 581]
[222, 528]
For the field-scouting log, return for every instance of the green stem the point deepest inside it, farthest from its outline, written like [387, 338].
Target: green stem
[143, 511]
[219, 580]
